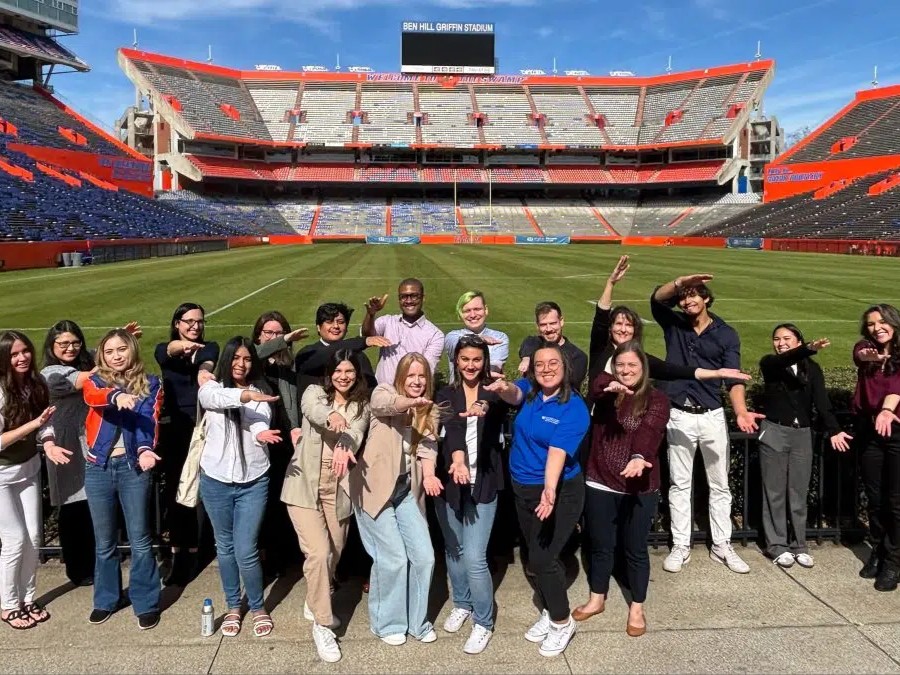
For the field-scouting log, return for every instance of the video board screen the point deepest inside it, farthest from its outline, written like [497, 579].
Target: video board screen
[437, 47]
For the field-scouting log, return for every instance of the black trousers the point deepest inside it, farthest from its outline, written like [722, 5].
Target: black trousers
[277, 537]
[185, 525]
[617, 522]
[546, 538]
[880, 468]
[76, 538]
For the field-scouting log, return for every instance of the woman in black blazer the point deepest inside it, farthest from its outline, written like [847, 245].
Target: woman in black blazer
[471, 466]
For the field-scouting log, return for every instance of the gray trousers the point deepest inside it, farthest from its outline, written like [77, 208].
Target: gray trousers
[785, 462]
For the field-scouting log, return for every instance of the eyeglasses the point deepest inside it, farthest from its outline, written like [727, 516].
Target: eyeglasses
[272, 333]
[547, 367]
[410, 296]
[192, 323]
[75, 344]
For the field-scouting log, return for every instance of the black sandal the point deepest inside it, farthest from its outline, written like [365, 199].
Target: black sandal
[19, 615]
[33, 608]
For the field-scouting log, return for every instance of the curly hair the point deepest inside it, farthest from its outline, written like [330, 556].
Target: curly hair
[133, 379]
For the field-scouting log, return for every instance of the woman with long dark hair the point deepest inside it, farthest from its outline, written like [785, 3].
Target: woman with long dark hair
[273, 338]
[629, 424]
[24, 410]
[471, 467]
[335, 421]
[180, 360]
[794, 387]
[234, 482]
[67, 364]
[875, 403]
[547, 482]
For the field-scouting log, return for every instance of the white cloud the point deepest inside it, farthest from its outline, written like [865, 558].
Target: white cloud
[714, 8]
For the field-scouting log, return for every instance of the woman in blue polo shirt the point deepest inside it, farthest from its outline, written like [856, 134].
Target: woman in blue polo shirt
[547, 482]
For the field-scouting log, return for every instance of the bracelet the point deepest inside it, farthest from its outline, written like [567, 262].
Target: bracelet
[481, 402]
[890, 410]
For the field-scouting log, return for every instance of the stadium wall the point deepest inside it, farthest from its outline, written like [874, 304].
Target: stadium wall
[787, 180]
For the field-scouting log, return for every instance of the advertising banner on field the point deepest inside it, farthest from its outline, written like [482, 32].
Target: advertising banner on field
[384, 239]
[526, 239]
[744, 242]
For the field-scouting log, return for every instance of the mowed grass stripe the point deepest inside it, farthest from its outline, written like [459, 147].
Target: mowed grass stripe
[755, 289]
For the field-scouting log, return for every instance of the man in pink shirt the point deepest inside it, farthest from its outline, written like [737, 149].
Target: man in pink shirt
[408, 331]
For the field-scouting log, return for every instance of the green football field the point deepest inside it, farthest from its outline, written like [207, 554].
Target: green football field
[823, 294]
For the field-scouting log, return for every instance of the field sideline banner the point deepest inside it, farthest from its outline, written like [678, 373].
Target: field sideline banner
[385, 239]
[744, 242]
[526, 239]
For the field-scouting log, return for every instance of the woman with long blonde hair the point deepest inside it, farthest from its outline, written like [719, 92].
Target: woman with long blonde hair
[387, 488]
[122, 431]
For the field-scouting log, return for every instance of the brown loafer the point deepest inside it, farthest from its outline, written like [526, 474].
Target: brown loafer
[578, 615]
[635, 631]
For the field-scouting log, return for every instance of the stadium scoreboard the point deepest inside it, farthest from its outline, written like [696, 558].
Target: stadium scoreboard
[447, 47]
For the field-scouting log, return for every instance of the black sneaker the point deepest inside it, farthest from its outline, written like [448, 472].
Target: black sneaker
[148, 620]
[873, 564]
[887, 579]
[99, 616]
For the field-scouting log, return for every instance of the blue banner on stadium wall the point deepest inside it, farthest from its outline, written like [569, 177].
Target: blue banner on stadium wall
[384, 239]
[525, 239]
[744, 242]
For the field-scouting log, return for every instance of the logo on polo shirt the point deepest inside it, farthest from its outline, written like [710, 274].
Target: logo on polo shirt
[549, 420]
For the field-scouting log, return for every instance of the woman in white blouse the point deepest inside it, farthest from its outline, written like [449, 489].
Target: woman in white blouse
[234, 479]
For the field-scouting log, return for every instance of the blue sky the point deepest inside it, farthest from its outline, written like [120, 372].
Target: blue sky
[825, 49]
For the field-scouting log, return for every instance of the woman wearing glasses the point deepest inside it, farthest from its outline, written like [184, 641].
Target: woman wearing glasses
[471, 467]
[547, 482]
[180, 360]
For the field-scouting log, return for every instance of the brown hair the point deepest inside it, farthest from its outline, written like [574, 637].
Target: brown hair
[632, 317]
[425, 419]
[283, 357]
[641, 395]
[25, 398]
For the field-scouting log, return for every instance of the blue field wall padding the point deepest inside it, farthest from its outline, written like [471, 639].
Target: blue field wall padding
[527, 239]
[385, 239]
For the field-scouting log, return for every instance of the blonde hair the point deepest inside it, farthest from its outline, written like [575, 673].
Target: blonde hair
[134, 379]
[424, 419]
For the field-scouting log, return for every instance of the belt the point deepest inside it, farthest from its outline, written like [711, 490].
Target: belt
[792, 425]
[693, 409]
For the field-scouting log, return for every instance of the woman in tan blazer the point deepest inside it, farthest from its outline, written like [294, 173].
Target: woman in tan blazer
[335, 419]
[387, 488]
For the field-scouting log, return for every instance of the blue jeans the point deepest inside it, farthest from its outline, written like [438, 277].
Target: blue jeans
[402, 565]
[236, 513]
[120, 483]
[466, 536]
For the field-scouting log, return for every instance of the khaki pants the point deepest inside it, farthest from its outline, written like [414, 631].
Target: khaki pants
[322, 537]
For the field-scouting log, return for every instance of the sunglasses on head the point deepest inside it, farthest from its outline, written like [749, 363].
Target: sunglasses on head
[471, 341]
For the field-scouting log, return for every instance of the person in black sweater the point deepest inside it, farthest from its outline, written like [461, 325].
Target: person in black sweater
[180, 360]
[793, 386]
[332, 320]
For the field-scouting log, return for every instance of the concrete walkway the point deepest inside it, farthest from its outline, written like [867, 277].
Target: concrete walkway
[705, 619]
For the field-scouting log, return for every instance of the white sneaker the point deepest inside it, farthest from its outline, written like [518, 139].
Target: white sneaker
[478, 639]
[784, 560]
[558, 638]
[678, 557]
[309, 616]
[726, 555]
[538, 632]
[394, 640]
[805, 560]
[430, 636]
[458, 616]
[326, 645]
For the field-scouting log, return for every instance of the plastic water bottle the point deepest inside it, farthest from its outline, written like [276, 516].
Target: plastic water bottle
[207, 619]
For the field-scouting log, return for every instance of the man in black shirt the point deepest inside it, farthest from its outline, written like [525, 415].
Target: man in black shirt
[549, 319]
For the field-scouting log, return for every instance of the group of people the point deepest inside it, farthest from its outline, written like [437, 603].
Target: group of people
[314, 440]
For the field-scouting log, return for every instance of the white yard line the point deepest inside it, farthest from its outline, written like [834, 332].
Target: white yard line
[241, 299]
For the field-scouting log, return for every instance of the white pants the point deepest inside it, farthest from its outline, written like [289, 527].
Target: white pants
[685, 431]
[20, 539]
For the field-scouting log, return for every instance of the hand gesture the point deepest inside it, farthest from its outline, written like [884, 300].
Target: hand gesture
[747, 421]
[269, 436]
[841, 441]
[499, 385]
[126, 401]
[523, 365]
[134, 328]
[297, 335]
[56, 454]
[616, 387]
[45, 416]
[432, 485]
[376, 304]
[378, 341]
[477, 409]
[733, 374]
[545, 506]
[341, 460]
[295, 436]
[260, 397]
[635, 468]
[204, 376]
[693, 280]
[189, 347]
[883, 422]
[821, 343]
[459, 473]
[491, 341]
[871, 355]
[337, 422]
[148, 459]
[619, 270]
[419, 402]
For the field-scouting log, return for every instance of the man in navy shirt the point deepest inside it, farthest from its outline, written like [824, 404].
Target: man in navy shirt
[695, 337]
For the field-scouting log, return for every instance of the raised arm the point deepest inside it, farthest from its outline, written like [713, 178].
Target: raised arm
[373, 306]
[618, 273]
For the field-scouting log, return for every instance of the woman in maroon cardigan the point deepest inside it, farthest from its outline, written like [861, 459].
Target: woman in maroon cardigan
[629, 424]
